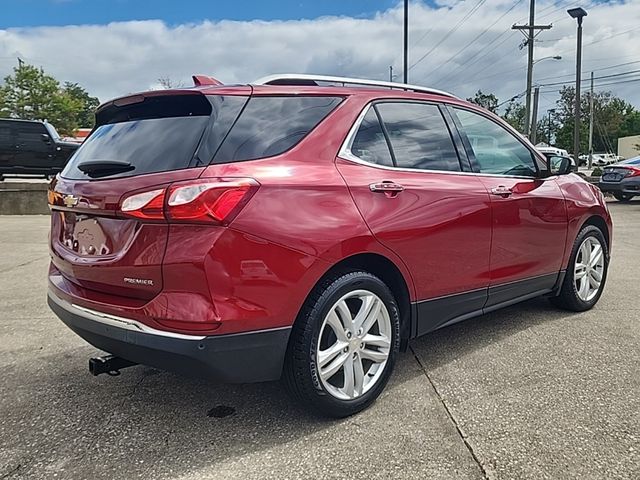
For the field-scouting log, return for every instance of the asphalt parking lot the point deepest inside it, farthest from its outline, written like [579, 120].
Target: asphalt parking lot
[527, 392]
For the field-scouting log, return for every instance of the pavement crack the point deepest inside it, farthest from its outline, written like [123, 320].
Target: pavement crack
[11, 472]
[463, 437]
[33, 260]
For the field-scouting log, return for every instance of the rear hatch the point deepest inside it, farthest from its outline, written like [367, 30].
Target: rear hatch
[141, 143]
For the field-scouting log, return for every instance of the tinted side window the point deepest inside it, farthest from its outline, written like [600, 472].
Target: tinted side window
[496, 150]
[369, 143]
[272, 125]
[419, 136]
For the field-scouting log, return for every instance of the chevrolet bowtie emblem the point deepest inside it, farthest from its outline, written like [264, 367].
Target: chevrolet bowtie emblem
[70, 200]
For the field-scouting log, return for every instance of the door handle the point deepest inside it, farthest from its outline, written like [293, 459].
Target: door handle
[502, 191]
[386, 186]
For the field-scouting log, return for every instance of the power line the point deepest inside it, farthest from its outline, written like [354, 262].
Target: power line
[476, 38]
[620, 74]
[450, 32]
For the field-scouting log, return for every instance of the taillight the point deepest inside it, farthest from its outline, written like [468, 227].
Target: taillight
[145, 205]
[215, 201]
[207, 201]
[635, 171]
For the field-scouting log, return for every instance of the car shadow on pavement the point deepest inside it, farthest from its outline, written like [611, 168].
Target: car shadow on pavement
[155, 424]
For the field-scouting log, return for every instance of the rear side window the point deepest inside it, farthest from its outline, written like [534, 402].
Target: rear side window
[30, 137]
[419, 136]
[369, 143]
[157, 134]
[6, 137]
[269, 126]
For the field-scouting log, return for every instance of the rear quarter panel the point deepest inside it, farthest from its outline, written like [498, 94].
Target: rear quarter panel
[583, 201]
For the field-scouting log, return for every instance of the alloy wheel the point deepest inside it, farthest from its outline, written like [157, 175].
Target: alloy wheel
[589, 269]
[354, 345]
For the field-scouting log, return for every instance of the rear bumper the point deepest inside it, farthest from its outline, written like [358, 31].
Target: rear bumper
[630, 186]
[236, 358]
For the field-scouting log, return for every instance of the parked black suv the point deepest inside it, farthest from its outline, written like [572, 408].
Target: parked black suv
[31, 147]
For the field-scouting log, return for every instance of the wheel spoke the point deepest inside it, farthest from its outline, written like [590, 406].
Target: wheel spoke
[336, 325]
[596, 274]
[596, 256]
[358, 374]
[373, 355]
[325, 356]
[594, 284]
[334, 366]
[349, 380]
[370, 315]
[580, 271]
[345, 315]
[377, 341]
[584, 288]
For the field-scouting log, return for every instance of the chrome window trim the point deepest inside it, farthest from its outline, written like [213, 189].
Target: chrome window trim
[346, 154]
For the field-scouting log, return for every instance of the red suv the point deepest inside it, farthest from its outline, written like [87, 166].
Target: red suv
[307, 227]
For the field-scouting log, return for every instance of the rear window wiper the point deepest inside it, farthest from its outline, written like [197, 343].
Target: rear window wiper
[97, 168]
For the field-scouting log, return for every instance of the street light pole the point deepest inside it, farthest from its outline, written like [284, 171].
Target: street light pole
[578, 14]
[406, 40]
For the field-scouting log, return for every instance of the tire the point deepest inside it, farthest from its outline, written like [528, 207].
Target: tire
[623, 197]
[572, 296]
[318, 329]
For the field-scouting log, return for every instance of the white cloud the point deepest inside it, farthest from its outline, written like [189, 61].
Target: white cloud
[118, 58]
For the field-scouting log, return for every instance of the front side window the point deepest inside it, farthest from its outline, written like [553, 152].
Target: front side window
[419, 136]
[496, 150]
[369, 143]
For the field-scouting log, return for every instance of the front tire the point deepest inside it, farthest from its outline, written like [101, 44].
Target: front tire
[623, 197]
[586, 273]
[343, 345]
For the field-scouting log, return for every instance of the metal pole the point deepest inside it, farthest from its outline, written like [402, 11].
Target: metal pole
[406, 40]
[576, 125]
[590, 162]
[391, 73]
[527, 118]
[534, 117]
[550, 111]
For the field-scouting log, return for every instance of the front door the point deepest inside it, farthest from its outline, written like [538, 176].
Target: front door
[406, 177]
[529, 212]
[33, 152]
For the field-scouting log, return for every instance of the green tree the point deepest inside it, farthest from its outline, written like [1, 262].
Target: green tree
[485, 100]
[31, 94]
[86, 116]
[514, 115]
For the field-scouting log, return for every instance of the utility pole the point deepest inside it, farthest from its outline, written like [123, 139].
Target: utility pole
[532, 30]
[590, 161]
[406, 40]
[534, 118]
[391, 73]
[549, 112]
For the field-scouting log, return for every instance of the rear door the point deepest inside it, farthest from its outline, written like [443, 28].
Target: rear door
[528, 211]
[408, 179]
[140, 143]
[33, 152]
[7, 145]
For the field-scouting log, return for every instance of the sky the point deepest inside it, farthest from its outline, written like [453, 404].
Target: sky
[115, 47]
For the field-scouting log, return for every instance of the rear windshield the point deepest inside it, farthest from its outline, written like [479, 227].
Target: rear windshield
[157, 134]
[270, 126]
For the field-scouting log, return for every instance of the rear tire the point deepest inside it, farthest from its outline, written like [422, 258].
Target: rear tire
[623, 197]
[330, 344]
[586, 273]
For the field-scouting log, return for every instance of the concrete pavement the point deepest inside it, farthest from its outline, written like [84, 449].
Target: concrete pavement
[527, 392]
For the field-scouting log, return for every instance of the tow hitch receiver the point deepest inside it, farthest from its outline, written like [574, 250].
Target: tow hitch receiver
[108, 364]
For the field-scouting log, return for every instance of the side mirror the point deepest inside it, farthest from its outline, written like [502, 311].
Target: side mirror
[45, 138]
[560, 165]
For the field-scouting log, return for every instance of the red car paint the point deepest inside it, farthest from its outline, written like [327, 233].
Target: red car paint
[445, 233]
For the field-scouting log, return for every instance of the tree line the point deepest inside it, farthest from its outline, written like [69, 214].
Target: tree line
[613, 118]
[31, 94]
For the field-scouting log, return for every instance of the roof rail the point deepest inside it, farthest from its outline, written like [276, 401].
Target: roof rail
[309, 79]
